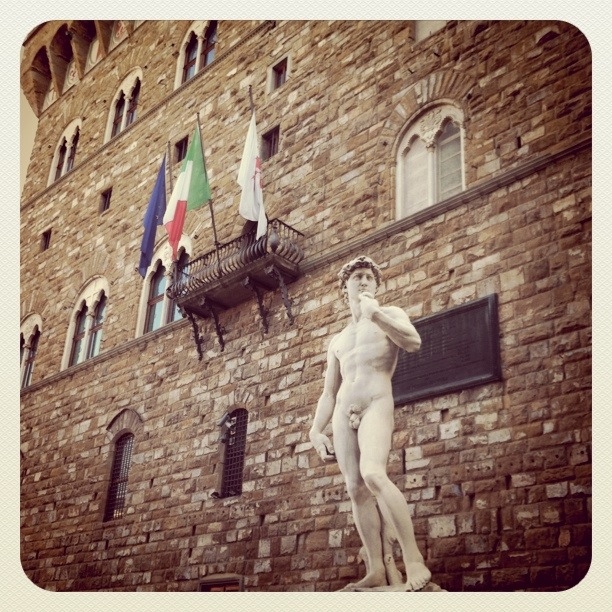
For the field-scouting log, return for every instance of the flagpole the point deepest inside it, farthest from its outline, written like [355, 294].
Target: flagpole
[251, 99]
[210, 206]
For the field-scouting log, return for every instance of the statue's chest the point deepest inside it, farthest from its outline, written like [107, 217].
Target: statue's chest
[362, 336]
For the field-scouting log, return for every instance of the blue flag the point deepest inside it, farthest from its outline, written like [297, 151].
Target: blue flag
[153, 217]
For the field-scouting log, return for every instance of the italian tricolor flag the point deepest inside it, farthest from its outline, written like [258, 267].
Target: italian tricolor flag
[191, 191]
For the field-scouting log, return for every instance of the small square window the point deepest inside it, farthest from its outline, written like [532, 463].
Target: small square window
[45, 240]
[180, 150]
[105, 200]
[269, 143]
[279, 74]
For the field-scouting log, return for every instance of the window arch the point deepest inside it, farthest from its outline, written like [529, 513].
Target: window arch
[198, 50]
[30, 333]
[65, 152]
[84, 338]
[233, 439]
[156, 308]
[430, 159]
[123, 109]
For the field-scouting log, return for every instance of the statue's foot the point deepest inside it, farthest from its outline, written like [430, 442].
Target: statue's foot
[369, 581]
[417, 576]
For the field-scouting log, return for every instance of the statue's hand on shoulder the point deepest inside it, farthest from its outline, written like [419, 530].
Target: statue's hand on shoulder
[322, 445]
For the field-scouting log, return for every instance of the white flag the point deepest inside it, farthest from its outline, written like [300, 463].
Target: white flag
[249, 178]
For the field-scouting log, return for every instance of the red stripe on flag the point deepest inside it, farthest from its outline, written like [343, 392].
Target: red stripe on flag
[175, 226]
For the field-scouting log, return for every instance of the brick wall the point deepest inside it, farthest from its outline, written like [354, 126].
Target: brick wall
[497, 477]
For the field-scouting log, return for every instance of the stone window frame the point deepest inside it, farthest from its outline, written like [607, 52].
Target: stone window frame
[161, 257]
[30, 332]
[200, 30]
[89, 298]
[105, 200]
[128, 421]
[270, 143]
[130, 84]
[63, 160]
[427, 125]
[272, 81]
[45, 239]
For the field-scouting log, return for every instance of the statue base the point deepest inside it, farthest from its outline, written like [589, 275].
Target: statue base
[392, 588]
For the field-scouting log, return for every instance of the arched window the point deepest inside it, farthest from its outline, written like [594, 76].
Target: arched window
[156, 308]
[73, 150]
[61, 158]
[95, 332]
[207, 54]
[124, 108]
[183, 260]
[65, 153]
[130, 116]
[77, 354]
[118, 118]
[155, 303]
[233, 439]
[84, 338]
[29, 338]
[191, 55]
[198, 50]
[448, 161]
[430, 160]
[117, 486]
[29, 350]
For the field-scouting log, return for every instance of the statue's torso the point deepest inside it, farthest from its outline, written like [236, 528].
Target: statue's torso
[367, 360]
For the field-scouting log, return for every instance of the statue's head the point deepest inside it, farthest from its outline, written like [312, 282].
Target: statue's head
[359, 262]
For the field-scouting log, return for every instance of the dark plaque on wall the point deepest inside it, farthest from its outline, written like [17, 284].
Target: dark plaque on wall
[459, 349]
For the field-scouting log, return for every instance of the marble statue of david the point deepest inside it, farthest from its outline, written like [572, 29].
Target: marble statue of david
[357, 397]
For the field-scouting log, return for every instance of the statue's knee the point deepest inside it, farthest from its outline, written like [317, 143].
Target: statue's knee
[375, 480]
[357, 491]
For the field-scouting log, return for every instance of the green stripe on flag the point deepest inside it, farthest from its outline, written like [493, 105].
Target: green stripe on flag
[199, 187]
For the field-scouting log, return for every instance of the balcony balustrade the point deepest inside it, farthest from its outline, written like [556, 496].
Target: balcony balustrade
[237, 271]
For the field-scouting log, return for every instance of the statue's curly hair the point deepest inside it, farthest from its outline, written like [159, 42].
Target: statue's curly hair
[359, 262]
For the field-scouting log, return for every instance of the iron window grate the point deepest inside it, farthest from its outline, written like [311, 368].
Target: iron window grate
[233, 464]
[117, 489]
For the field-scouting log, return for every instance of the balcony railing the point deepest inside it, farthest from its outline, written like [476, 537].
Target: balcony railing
[236, 271]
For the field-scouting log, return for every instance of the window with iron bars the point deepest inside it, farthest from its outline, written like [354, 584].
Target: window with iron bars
[117, 488]
[233, 437]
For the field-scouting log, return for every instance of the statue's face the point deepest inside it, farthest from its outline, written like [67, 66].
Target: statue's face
[361, 280]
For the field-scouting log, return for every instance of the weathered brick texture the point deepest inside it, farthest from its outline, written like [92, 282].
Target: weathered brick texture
[497, 477]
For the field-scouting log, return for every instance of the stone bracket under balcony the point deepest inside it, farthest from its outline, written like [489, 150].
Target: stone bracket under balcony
[235, 272]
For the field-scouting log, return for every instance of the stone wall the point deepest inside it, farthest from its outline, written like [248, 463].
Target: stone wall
[497, 477]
